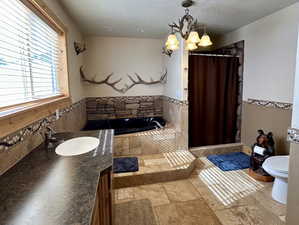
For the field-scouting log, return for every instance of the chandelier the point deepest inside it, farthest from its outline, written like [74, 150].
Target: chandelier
[187, 28]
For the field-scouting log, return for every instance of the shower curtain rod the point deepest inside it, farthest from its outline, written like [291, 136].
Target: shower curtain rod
[217, 55]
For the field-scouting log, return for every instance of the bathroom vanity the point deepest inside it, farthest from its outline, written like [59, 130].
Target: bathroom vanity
[48, 189]
[102, 211]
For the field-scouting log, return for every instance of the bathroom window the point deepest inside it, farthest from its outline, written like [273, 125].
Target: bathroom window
[30, 54]
[33, 64]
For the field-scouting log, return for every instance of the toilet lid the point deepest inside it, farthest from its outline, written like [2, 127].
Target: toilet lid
[278, 163]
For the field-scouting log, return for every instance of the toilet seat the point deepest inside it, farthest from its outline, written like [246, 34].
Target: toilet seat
[278, 164]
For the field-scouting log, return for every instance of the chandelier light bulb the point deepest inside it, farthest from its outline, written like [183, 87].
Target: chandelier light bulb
[172, 40]
[172, 47]
[205, 41]
[193, 37]
[190, 46]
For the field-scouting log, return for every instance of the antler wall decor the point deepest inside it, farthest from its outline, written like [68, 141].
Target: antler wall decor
[105, 81]
[135, 81]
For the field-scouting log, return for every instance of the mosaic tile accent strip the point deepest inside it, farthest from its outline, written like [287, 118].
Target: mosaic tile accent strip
[175, 101]
[99, 108]
[278, 105]
[13, 139]
[293, 135]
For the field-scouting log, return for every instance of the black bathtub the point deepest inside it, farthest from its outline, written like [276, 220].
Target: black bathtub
[127, 126]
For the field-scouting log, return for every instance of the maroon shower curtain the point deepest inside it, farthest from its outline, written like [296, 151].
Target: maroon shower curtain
[213, 100]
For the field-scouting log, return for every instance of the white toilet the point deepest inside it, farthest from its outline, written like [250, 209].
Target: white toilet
[278, 167]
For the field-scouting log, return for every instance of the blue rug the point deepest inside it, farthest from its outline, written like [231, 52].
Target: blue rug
[231, 161]
[125, 165]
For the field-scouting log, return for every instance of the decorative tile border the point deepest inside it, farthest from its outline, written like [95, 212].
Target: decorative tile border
[293, 135]
[264, 103]
[175, 101]
[39, 126]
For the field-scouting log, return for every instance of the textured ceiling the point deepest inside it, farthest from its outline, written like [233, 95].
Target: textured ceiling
[149, 18]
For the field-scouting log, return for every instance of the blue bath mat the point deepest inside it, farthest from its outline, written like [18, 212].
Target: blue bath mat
[231, 161]
[125, 165]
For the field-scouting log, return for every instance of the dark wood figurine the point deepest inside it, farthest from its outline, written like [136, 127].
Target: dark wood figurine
[261, 150]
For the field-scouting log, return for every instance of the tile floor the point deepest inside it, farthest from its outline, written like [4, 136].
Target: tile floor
[208, 197]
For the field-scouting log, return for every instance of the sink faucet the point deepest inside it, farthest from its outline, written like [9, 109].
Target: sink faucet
[48, 137]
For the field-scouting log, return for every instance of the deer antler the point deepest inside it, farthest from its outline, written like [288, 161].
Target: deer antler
[105, 81]
[141, 81]
[127, 87]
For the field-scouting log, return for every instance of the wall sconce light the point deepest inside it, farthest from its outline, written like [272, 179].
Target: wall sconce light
[79, 47]
[167, 52]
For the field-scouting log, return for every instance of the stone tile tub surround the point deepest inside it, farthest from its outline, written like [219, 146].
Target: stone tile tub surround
[147, 142]
[47, 189]
[72, 118]
[99, 108]
[175, 112]
[173, 137]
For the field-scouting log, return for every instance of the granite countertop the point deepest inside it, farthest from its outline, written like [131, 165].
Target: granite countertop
[47, 189]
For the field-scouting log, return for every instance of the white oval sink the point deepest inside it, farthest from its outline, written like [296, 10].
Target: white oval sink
[77, 146]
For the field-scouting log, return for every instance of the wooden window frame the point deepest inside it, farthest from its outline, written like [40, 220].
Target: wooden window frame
[15, 117]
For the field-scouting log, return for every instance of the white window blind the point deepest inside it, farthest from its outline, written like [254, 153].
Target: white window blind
[28, 55]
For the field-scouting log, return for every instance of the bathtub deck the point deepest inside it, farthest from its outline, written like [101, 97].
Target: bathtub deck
[155, 168]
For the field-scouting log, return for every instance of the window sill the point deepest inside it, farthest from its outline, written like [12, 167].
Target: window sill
[15, 118]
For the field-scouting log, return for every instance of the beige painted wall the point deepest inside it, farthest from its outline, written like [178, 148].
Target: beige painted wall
[269, 71]
[270, 55]
[269, 119]
[74, 61]
[122, 56]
